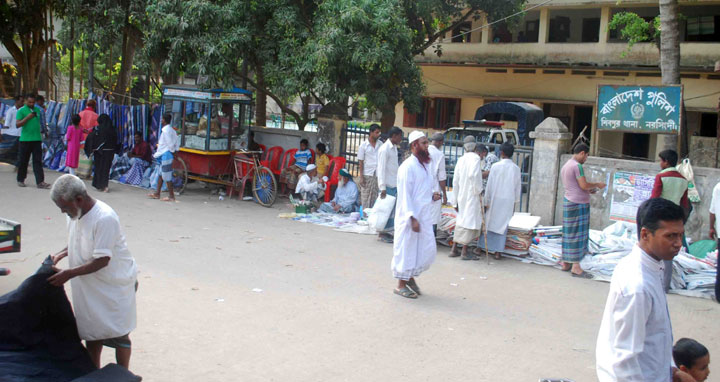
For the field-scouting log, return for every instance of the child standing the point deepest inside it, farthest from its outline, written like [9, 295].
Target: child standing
[72, 138]
[693, 358]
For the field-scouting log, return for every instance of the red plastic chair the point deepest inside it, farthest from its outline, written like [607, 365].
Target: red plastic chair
[336, 164]
[272, 159]
[288, 159]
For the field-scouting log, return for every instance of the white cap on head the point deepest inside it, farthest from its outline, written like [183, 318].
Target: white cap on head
[310, 167]
[414, 136]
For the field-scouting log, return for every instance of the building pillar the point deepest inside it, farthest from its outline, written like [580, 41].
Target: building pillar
[552, 140]
[544, 27]
[604, 21]
[486, 32]
[331, 120]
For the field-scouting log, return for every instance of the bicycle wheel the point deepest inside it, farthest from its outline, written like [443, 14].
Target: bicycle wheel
[264, 186]
[180, 172]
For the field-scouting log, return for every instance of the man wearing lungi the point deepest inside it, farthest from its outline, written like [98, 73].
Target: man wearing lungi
[168, 144]
[102, 271]
[504, 189]
[576, 211]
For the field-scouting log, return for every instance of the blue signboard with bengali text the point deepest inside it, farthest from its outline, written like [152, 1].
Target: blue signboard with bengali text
[640, 109]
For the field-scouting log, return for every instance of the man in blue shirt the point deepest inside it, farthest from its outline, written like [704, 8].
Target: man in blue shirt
[346, 196]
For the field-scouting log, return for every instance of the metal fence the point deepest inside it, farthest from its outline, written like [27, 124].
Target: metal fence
[350, 139]
[453, 149]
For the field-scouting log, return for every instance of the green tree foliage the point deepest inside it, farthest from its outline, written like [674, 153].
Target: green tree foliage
[635, 29]
[110, 31]
[365, 47]
[22, 34]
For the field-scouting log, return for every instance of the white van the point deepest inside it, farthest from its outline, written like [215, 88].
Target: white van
[483, 131]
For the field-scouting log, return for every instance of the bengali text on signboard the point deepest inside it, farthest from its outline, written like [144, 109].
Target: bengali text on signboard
[643, 109]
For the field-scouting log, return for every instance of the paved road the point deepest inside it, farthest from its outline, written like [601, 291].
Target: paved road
[326, 311]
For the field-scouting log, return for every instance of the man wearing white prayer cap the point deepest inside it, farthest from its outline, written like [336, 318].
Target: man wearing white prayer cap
[309, 186]
[414, 245]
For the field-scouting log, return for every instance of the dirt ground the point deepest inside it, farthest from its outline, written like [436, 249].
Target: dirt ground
[229, 291]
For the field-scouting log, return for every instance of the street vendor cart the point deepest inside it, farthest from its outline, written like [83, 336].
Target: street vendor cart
[214, 129]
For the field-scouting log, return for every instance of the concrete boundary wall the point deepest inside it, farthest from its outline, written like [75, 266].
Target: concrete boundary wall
[601, 169]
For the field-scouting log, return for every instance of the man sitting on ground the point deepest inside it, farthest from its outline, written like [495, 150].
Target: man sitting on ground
[346, 196]
[309, 187]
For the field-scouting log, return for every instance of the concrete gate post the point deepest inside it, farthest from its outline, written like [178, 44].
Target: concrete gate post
[552, 140]
[331, 120]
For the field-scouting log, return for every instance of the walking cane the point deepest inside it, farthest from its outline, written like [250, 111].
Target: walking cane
[484, 228]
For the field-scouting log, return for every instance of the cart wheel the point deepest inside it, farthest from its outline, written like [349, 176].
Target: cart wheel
[180, 172]
[264, 186]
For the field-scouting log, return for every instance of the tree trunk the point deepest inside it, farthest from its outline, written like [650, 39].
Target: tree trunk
[128, 56]
[670, 63]
[72, 59]
[91, 73]
[669, 42]
[261, 100]
[388, 116]
[3, 90]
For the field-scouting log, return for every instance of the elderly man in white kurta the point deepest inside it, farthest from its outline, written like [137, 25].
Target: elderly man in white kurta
[102, 272]
[502, 193]
[438, 169]
[468, 188]
[635, 339]
[414, 245]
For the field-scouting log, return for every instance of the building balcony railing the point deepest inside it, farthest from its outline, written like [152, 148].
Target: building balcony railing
[692, 54]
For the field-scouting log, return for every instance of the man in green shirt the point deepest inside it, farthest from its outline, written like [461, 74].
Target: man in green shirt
[28, 117]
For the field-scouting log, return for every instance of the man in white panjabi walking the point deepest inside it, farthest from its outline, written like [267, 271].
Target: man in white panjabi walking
[102, 271]
[468, 188]
[414, 245]
[438, 169]
[635, 341]
[502, 193]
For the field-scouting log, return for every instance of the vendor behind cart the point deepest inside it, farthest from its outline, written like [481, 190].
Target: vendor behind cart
[102, 271]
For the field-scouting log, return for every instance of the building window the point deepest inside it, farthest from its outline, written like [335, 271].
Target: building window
[436, 113]
[461, 33]
[574, 25]
[702, 28]
[708, 124]
[525, 31]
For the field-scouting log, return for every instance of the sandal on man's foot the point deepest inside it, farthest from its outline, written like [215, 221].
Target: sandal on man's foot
[43, 185]
[413, 285]
[583, 275]
[385, 239]
[471, 257]
[21, 184]
[153, 196]
[405, 292]
[453, 254]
